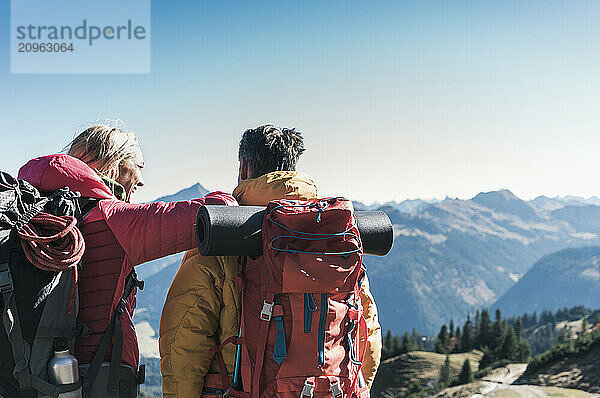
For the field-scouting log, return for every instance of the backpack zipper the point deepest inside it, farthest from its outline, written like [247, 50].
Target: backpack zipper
[321, 338]
[309, 307]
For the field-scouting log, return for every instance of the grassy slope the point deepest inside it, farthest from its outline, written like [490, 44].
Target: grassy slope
[395, 374]
[578, 371]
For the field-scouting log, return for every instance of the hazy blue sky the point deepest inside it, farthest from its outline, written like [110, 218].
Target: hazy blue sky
[396, 99]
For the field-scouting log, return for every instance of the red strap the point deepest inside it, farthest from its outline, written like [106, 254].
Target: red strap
[362, 325]
[260, 352]
[223, 370]
[232, 340]
[222, 381]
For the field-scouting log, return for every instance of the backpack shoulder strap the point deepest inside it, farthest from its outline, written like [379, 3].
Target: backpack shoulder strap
[86, 205]
[20, 348]
[12, 325]
[114, 334]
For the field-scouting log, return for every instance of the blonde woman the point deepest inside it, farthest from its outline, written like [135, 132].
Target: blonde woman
[105, 164]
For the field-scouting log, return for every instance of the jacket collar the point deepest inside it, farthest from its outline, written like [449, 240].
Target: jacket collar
[117, 189]
[52, 172]
[276, 185]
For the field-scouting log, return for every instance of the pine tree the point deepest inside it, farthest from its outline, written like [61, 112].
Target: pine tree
[525, 320]
[387, 344]
[466, 374]
[415, 340]
[547, 317]
[458, 346]
[445, 372]
[519, 328]
[497, 337]
[396, 346]
[509, 347]
[524, 351]
[498, 316]
[467, 337]
[451, 329]
[405, 347]
[476, 327]
[419, 341]
[441, 342]
[387, 340]
[485, 333]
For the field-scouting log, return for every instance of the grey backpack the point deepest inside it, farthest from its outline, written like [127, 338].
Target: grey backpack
[40, 306]
[33, 301]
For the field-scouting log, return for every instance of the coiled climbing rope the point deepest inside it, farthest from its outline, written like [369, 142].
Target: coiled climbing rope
[54, 243]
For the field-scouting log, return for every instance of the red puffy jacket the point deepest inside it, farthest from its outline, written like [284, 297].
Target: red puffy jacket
[118, 236]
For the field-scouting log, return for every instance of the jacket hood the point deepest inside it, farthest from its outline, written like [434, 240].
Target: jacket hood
[276, 185]
[52, 172]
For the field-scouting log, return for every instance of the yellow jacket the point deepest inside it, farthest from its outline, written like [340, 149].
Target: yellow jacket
[203, 304]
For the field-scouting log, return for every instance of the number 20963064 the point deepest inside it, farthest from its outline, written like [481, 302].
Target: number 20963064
[45, 47]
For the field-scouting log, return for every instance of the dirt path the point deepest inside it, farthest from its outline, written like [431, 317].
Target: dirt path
[499, 385]
[506, 375]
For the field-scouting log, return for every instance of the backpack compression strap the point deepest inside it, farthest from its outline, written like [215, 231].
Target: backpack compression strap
[263, 336]
[114, 334]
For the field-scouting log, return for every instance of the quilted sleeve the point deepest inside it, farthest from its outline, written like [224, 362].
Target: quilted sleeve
[154, 230]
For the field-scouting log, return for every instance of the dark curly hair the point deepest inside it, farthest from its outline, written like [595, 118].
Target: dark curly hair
[270, 148]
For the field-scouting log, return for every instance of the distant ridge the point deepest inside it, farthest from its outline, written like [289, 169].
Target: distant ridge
[195, 191]
[406, 206]
[558, 202]
[504, 201]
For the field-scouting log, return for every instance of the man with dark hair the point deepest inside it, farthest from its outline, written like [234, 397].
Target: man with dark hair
[203, 305]
[269, 148]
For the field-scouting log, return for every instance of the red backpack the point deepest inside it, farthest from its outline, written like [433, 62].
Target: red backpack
[301, 312]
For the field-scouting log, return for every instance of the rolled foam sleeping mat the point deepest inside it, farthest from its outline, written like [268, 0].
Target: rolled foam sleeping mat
[236, 231]
[376, 232]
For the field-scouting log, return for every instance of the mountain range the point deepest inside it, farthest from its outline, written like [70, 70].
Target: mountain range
[449, 257]
[456, 255]
[567, 278]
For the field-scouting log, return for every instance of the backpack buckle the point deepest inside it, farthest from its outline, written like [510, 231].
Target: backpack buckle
[308, 389]
[6, 282]
[336, 390]
[267, 311]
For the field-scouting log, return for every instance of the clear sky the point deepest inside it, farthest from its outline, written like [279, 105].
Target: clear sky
[396, 99]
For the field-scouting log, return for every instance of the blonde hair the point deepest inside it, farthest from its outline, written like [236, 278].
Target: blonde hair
[103, 148]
